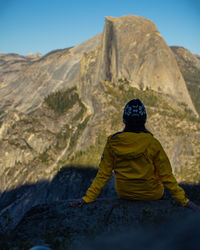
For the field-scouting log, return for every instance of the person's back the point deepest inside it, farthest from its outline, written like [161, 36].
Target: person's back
[135, 175]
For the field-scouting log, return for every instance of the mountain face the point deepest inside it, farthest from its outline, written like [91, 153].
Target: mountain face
[11, 65]
[132, 48]
[189, 65]
[58, 69]
[59, 109]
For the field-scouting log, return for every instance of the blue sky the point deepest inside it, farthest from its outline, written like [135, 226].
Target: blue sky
[45, 25]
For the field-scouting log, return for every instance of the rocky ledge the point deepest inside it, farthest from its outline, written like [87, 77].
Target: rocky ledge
[107, 223]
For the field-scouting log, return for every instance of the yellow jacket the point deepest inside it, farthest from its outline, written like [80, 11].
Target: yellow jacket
[141, 168]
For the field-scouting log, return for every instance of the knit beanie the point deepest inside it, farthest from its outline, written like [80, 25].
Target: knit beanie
[134, 112]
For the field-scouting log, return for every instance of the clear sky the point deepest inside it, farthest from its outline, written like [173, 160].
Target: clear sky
[45, 25]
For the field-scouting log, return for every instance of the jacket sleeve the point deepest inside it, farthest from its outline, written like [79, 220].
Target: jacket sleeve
[164, 171]
[103, 175]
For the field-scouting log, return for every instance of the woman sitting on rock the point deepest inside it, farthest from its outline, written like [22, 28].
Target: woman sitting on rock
[139, 162]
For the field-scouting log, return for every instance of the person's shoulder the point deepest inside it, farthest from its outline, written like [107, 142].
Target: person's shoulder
[117, 133]
[155, 143]
[113, 136]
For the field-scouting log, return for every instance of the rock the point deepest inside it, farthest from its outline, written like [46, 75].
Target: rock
[60, 226]
[40, 248]
[68, 183]
[175, 234]
[41, 213]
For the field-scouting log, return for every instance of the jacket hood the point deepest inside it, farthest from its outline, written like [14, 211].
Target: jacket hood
[129, 143]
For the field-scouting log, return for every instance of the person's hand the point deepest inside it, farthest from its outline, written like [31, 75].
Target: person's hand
[78, 203]
[193, 206]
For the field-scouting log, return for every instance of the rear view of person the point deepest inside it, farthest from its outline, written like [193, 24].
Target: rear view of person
[140, 164]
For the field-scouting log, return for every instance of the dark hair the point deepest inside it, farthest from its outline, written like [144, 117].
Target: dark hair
[136, 128]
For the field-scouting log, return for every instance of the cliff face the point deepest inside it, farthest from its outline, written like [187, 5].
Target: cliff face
[132, 48]
[189, 65]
